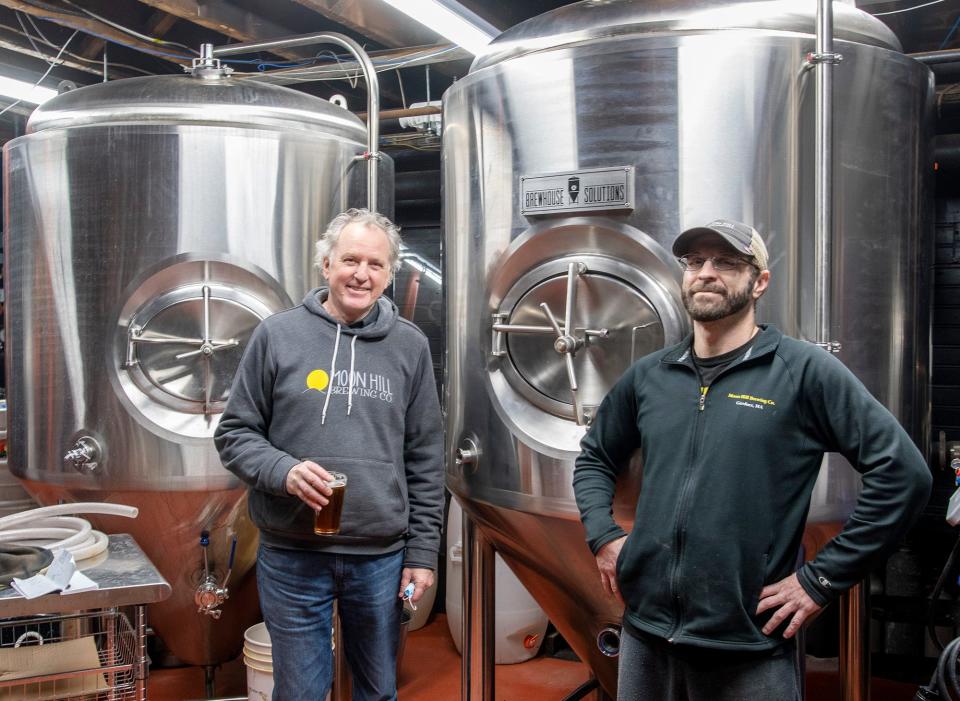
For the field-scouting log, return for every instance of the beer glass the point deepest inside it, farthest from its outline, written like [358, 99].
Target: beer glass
[326, 521]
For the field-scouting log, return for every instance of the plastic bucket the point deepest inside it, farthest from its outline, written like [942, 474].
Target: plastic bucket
[258, 639]
[258, 659]
[259, 681]
[519, 622]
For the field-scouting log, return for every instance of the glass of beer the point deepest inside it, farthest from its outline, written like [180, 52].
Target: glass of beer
[326, 521]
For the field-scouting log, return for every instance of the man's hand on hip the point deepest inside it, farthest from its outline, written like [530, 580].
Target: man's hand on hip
[790, 599]
[607, 564]
[308, 481]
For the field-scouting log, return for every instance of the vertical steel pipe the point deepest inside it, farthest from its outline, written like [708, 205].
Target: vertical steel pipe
[855, 644]
[477, 681]
[823, 231]
[372, 156]
[141, 664]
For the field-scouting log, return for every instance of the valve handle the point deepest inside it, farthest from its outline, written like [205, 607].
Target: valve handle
[567, 347]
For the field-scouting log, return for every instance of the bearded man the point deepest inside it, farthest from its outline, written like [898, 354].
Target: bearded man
[732, 425]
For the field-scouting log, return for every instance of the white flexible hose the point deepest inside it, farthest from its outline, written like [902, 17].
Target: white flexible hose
[79, 508]
[67, 533]
[21, 534]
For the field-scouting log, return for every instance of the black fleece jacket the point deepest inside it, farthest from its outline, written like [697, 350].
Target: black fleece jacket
[727, 479]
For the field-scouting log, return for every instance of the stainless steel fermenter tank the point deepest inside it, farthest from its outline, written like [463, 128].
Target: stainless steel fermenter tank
[574, 152]
[151, 223]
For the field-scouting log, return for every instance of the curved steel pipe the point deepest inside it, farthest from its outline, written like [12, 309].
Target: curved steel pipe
[372, 156]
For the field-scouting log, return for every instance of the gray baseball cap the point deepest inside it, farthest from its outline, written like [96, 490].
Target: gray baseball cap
[743, 238]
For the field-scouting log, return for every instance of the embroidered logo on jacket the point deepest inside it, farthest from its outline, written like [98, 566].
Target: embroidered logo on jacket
[751, 402]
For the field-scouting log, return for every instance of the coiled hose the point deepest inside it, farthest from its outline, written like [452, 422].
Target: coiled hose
[49, 528]
[945, 682]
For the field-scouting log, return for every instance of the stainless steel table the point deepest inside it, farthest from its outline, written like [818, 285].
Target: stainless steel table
[125, 577]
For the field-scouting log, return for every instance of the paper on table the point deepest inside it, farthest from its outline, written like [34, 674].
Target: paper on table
[80, 582]
[61, 569]
[62, 575]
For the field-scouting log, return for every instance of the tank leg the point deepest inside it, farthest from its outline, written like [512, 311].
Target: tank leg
[476, 668]
[209, 681]
[855, 644]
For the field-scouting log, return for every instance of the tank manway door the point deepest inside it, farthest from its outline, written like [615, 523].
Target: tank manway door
[568, 336]
[181, 348]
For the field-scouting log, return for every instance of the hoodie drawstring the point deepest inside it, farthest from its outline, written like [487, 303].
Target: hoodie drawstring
[333, 373]
[353, 351]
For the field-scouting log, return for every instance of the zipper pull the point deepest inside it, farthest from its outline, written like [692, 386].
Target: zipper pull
[703, 396]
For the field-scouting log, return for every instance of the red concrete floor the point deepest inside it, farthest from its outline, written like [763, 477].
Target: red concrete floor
[431, 672]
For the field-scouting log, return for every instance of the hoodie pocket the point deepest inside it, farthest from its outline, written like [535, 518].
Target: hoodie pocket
[375, 503]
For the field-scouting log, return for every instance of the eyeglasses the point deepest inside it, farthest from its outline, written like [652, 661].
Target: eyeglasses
[720, 263]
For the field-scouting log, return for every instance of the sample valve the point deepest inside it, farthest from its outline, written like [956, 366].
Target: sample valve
[210, 595]
[85, 455]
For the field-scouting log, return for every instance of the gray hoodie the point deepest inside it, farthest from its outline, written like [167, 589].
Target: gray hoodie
[358, 399]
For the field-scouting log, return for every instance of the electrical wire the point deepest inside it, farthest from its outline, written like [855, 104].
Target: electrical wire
[907, 9]
[27, 34]
[53, 65]
[77, 57]
[37, 28]
[403, 97]
[946, 39]
[131, 32]
[318, 73]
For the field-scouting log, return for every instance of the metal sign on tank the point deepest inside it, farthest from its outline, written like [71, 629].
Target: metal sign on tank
[711, 108]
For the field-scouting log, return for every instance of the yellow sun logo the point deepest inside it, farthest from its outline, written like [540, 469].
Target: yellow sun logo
[318, 380]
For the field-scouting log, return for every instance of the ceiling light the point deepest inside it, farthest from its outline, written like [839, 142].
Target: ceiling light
[26, 92]
[451, 20]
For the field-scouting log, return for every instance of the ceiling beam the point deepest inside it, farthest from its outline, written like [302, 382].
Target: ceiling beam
[88, 25]
[158, 25]
[227, 19]
[377, 20]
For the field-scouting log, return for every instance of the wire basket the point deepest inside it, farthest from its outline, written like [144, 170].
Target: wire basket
[80, 657]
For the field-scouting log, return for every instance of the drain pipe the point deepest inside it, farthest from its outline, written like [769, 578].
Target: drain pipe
[372, 156]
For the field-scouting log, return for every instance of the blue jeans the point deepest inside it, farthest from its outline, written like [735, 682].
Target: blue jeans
[651, 669]
[297, 589]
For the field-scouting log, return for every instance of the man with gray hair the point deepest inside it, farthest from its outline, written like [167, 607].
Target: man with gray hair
[339, 386]
[732, 424]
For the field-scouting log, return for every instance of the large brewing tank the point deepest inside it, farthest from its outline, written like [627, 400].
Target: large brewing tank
[575, 151]
[151, 223]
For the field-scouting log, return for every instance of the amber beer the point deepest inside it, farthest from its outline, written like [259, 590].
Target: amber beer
[326, 521]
